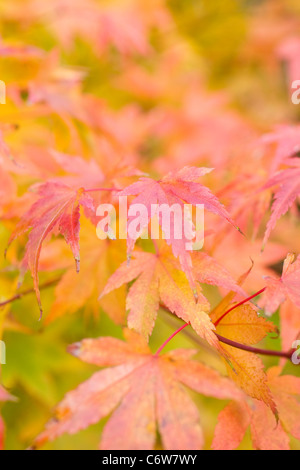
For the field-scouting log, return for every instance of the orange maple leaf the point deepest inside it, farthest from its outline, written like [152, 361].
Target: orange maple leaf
[140, 390]
[244, 326]
[267, 434]
[158, 278]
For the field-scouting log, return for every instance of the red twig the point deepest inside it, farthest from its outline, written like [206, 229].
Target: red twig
[170, 338]
[239, 305]
[234, 344]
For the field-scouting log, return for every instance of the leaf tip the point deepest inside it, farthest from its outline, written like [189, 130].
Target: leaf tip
[41, 313]
[74, 349]
[241, 231]
[77, 263]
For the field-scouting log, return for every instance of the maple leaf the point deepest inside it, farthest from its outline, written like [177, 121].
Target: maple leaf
[267, 434]
[288, 182]
[246, 201]
[278, 290]
[158, 278]
[180, 188]
[58, 208]
[243, 325]
[140, 390]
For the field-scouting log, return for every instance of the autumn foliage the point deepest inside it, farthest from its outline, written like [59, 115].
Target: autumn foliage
[139, 343]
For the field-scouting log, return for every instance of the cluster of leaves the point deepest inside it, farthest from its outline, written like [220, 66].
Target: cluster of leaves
[122, 98]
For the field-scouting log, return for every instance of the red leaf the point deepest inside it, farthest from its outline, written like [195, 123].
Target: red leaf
[288, 286]
[58, 208]
[288, 190]
[180, 188]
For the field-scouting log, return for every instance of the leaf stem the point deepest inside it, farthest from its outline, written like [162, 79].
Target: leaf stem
[174, 322]
[29, 291]
[170, 338]
[238, 305]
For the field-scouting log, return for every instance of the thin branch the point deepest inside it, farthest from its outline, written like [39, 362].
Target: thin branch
[19, 296]
[263, 352]
[243, 347]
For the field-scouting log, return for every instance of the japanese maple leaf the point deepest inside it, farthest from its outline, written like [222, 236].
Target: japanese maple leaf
[247, 203]
[288, 286]
[267, 433]
[4, 396]
[142, 391]
[88, 174]
[76, 171]
[57, 209]
[158, 278]
[180, 188]
[244, 326]
[288, 189]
